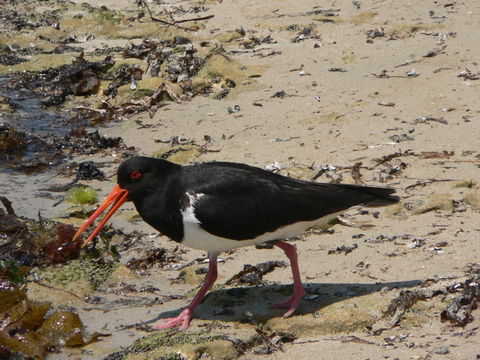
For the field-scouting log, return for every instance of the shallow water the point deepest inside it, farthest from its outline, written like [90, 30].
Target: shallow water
[24, 189]
[29, 116]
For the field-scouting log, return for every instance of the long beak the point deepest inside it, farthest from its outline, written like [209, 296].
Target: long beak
[117, 197]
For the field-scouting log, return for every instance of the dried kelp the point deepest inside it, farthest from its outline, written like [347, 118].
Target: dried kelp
[29, 243]
[253, 274]
[459, 311]
[80, 78]
[35, 330]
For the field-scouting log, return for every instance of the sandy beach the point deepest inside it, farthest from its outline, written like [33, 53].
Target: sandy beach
[377, 92]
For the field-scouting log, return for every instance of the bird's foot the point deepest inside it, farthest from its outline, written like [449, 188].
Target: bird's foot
[292, 303]
[182, 321]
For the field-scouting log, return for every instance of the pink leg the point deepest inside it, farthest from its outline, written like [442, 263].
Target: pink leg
[183, 320]
[298, 290]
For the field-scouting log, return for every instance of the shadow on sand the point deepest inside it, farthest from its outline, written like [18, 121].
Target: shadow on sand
[232, 305]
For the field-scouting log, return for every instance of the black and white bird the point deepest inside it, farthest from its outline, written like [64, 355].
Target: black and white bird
[217, 206]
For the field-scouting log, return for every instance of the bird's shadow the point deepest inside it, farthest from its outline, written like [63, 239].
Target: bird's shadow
[253, 303]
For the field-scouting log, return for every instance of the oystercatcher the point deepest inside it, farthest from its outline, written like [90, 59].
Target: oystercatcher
[217, 206]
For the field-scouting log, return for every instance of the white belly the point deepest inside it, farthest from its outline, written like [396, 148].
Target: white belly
[197, 238]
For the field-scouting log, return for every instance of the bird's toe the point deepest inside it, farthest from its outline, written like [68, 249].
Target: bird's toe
[182, 321]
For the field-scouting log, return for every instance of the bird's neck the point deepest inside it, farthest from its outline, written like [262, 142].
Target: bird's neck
[158, 206]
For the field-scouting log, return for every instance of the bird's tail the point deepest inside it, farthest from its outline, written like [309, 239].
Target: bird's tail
[380, 196]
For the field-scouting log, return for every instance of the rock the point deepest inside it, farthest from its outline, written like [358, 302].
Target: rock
[443, 350]
[121, 274]
[190, 275]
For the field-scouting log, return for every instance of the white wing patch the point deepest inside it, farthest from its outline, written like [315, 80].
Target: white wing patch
[188, 213]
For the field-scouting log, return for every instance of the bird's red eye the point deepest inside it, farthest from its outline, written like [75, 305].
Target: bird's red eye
[135, 175]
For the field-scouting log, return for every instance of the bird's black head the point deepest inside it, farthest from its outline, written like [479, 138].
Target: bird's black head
[136, 178]
[139, 173]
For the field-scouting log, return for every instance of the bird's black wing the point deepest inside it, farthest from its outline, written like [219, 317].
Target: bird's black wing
[241, 202]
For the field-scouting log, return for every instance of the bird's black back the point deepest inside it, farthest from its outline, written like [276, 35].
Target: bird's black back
[240, 202]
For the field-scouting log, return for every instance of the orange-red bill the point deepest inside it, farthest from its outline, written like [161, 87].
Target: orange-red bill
[117, 197]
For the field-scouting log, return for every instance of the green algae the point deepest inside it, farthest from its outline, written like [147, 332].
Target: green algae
[348, 59]
[39, 62]
[174, 344]
[468, 183]
[190, 276]
[363, 17]
[219, 66]
[104, 15]
[13, 272]
[83, 195]
[185, 154]
[105, 23]
[86, 273]
[220, 73]
[129, 61]
[77, 21]
[348, 315]
[5, 107]
[144, 89]
[435, 202]
[473, 199]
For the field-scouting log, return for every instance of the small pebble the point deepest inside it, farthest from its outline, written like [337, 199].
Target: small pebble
[234, 109]
[443, 350]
